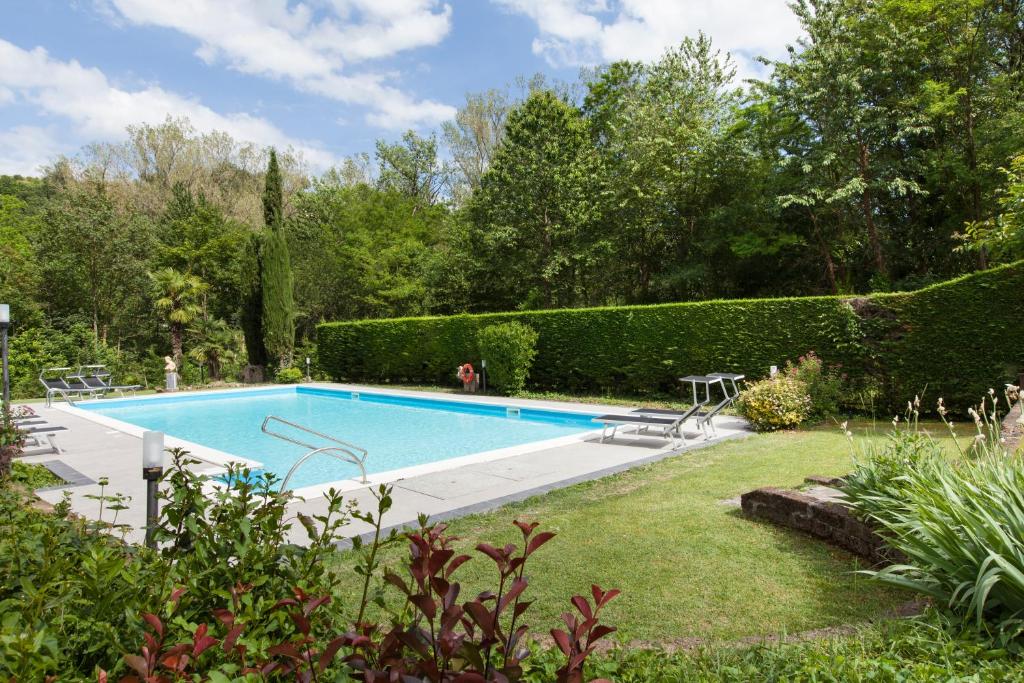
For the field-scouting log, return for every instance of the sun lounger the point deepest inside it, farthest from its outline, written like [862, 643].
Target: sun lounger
[97, 378]
[59, 386]
[670, 427]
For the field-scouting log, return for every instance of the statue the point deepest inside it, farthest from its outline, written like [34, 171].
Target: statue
[170, 374]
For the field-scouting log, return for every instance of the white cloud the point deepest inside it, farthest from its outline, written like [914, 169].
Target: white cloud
[97, 108]
[24, 149]
[575, 32]
[311, 49]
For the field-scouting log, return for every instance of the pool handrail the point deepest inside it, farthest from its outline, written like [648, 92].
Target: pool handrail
[342, 447]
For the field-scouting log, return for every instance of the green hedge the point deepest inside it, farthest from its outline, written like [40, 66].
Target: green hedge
[956, 338]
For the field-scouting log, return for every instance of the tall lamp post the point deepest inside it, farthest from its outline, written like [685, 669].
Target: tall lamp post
[5, 322]
[152, 470]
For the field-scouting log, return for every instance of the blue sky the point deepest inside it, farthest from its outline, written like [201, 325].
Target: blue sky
[327, 77]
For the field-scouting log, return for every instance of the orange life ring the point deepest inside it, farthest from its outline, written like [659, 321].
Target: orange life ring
[466, 373]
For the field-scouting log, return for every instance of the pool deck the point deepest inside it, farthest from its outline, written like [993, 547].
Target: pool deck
[93, 451]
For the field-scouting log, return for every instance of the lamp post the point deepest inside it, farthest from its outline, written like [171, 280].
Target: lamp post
[152, 470]
[483, 373]
[5, 322]
[308, 377]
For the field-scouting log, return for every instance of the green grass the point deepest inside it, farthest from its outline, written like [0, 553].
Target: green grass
[688, 564]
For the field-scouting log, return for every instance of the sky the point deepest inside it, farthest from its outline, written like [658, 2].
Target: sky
[325, 77]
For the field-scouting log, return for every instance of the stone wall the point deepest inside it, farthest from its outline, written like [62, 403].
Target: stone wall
[820, 515]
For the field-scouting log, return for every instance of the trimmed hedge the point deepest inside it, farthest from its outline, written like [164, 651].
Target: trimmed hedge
[956, 338]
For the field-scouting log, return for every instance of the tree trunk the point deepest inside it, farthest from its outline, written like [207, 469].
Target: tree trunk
[176, 344]
[867, 208]
[826, 254]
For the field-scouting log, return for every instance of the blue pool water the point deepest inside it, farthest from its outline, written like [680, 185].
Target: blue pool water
[396, 430]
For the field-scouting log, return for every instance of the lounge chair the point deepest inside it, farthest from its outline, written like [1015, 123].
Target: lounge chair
[97, 378]
[671, 427]
[59, 386]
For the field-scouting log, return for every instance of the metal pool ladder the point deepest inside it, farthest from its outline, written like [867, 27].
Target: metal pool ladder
[343, 450]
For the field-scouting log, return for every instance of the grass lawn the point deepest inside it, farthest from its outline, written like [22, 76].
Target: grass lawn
[689, 564]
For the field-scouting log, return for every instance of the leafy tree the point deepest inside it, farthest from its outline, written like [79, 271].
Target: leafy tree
[278, 317]
[177, 296]
[672, 155]
[412, 168]
[93, 263]
[473, 137]
[535, 207]
[362, 252]
[214, 345]
[19, 270]
[851, 129]
[1002, 237]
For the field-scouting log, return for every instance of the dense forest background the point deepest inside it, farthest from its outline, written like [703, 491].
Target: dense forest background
[884, 153]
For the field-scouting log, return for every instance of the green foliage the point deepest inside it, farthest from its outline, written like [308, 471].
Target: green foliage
[276, 280]
[178, 296]
[1002, 236]
[779, 402]
[288, 376]
[921, 650]
[509, 349]
[904, 342]
[534, 207]
[33, 476]
[958, 521]
[37, 347]
[822, 384]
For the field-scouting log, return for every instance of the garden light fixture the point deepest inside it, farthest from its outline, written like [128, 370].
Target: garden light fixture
[5, 322]
[152, 470]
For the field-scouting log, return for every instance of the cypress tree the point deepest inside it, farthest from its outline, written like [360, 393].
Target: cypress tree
[252, 302]
[276, 273]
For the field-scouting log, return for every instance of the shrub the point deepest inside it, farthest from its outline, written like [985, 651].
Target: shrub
[899, 342]
[779, 402]
[509, 349]
[959, 521]
[230, 596]
[289, 376]
[824, 386]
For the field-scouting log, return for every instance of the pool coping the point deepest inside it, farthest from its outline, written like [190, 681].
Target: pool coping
[221, 459]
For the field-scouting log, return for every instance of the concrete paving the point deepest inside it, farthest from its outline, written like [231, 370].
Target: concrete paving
[97, 452]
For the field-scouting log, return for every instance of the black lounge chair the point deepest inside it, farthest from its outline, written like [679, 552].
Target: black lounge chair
[59, 386]
[670, 427]
[97, 378]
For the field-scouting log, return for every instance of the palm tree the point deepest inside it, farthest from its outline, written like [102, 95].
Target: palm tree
[177, 297]
[216, 343]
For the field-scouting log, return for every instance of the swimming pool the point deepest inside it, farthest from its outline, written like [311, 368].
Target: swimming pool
[399, 431]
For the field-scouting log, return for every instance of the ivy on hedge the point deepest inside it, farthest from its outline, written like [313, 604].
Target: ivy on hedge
[957, 338]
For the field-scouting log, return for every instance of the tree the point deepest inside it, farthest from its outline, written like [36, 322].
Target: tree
[536, 207]
[852, 135]
[215, 343]
[412, 168]
[177, 295]
[672, 154]
[473, 137]
[93, 262]
[278, 315]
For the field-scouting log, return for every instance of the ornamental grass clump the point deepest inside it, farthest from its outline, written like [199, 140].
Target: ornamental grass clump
[779, 402]
[958, 520]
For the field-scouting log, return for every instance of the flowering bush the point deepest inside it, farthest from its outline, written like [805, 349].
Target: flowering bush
[824, 384]
[779, 402]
